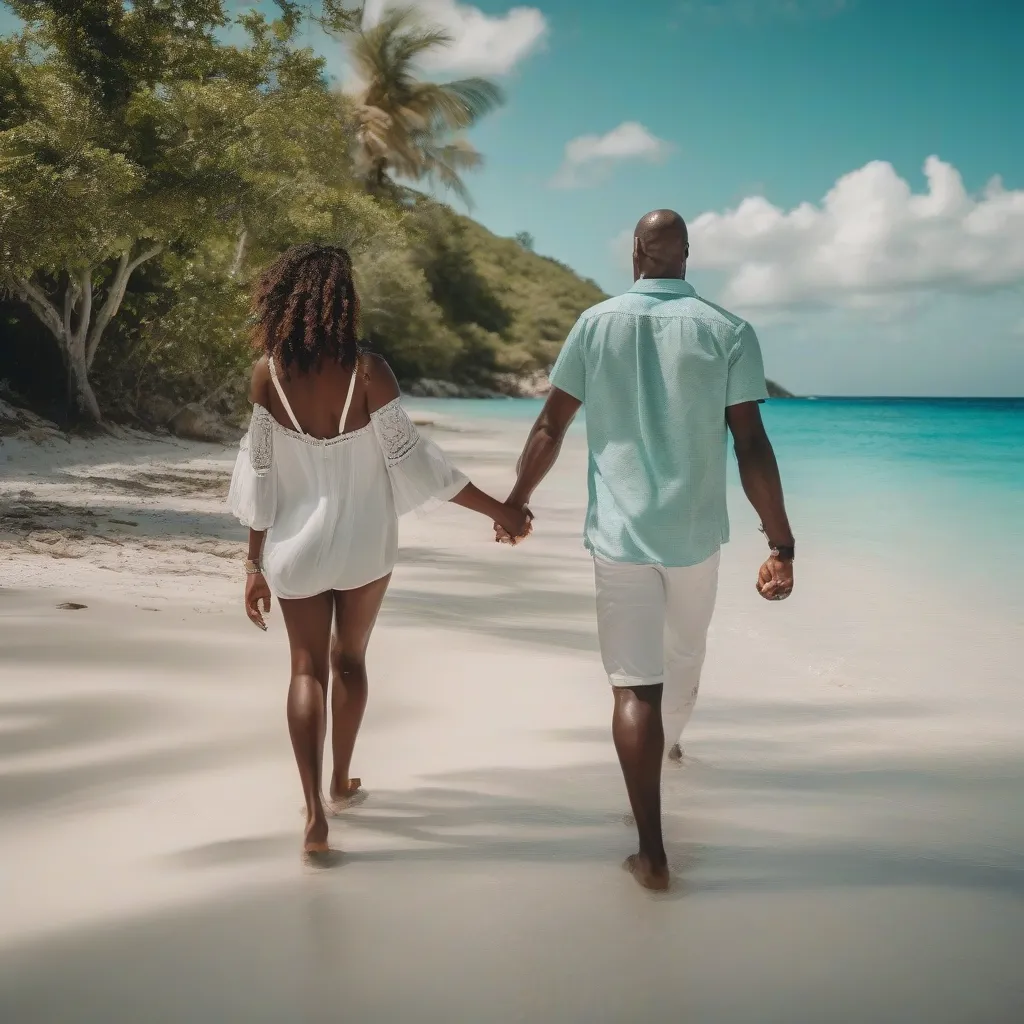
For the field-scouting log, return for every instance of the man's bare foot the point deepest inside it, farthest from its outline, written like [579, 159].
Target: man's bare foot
[345, 794]
[344, 789]
[650, 877]
[676, 753]
[316, 836]
[351, 794]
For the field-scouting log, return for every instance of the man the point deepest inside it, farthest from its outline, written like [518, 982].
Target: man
[662, 372]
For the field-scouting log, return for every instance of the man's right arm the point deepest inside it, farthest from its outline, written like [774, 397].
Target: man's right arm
[543, 445]
[568, 392]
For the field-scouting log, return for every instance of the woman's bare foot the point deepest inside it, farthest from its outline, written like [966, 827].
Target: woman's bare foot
[655, 878]
[316, 835]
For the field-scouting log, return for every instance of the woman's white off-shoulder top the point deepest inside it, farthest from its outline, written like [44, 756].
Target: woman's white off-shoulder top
[331, 507]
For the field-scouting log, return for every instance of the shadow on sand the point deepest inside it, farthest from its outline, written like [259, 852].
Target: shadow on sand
[455, 901]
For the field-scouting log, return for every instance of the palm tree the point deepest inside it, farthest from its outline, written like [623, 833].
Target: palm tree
[408, 127]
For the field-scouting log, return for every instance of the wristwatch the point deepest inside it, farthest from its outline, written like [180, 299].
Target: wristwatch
[252, 568]
[783, 552]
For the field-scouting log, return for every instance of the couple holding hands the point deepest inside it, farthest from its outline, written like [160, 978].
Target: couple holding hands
[331, 460]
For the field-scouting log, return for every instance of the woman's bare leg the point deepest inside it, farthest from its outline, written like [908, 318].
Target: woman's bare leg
[309, 633]
[355, 614]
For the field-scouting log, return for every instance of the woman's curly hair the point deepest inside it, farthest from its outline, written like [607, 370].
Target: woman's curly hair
[305, 308]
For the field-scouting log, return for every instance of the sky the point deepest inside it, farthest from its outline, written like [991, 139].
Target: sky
[852, 170]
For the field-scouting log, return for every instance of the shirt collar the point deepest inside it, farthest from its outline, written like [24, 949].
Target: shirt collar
[664, 286]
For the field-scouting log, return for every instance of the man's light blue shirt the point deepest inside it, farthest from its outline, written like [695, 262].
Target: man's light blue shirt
[656, 369]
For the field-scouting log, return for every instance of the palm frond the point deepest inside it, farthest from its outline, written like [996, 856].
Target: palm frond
[398, 40]
[458, 104]
[408, 127]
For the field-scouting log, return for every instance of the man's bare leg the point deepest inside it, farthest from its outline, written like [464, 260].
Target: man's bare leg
[640, 743]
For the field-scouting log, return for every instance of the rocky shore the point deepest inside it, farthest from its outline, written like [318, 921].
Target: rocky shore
[218, 421]
[502, 385]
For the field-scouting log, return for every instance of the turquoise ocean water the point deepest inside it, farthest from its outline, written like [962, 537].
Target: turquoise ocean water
[931, 486]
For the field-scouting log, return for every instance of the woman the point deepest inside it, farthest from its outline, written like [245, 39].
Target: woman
[329, 463]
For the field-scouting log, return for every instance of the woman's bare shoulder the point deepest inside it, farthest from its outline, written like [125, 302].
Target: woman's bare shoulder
[259, 387]
[380, 381]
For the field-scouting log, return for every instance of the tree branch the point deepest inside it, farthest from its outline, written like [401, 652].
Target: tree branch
[153, 250]
[236, 265]
[43, 308]
[125, 268]
[69, 303]
[84, 310]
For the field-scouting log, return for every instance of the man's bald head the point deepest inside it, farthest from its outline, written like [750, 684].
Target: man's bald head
[660, 245]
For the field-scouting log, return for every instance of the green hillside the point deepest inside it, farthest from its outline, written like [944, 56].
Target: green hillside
[486, 304]
[459, 303]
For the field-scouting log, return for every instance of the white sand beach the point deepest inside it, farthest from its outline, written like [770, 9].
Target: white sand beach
[847, 833]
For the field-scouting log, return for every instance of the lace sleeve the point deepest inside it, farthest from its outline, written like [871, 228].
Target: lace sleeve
[396, 432]
[260, 441]
[252, 496]
[420, 473]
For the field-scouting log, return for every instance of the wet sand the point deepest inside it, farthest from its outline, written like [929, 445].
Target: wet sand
[847, 832]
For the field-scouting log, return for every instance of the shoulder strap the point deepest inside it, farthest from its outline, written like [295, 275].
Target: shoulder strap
[348, 398]
[284, 398]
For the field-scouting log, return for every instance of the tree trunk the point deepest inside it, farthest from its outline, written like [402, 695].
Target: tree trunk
[78, 334]
[82, 394]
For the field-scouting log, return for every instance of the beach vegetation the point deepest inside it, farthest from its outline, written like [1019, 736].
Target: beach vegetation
[154, 156]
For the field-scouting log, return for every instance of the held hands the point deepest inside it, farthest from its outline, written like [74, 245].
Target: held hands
[515, 525]
[775, 580]
[257, 591]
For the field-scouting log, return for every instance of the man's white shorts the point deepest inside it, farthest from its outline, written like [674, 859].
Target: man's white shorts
[652, 623]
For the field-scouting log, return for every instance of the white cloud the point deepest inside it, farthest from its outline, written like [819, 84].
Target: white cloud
[871, 243]
[483, 44]
[589, 157]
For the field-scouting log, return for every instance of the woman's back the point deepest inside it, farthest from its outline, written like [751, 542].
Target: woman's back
[313, 402]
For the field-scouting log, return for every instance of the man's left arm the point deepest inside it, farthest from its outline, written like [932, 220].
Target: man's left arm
[759, 472]
[762, 484]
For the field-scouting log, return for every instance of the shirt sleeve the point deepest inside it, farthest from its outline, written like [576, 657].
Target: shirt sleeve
[569, 373]
[252, 496]
[421, 475]
[746, 369]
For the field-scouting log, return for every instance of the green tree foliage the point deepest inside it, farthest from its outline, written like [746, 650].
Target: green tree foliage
[135, 132]
[97, 175]
[151, 164]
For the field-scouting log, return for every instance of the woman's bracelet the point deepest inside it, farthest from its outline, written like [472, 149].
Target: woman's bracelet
[252, 568]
